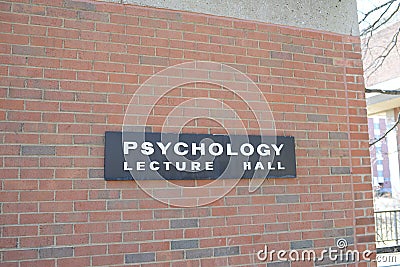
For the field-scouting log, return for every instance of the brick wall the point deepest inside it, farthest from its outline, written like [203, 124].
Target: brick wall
[69, 69]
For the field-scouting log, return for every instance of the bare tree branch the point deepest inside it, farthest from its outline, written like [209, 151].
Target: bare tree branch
[381, 91]
[378, 61]
[391, 129]
[383, 13]
[378, 22]
[375, 9]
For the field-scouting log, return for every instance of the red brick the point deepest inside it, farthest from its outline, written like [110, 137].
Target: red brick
[5, 6]
[46, 21]
[56, 162]
[108, 260]
[37, 196]
[71, 217]
[79, 44]
[123, 78]
[61, 53]
[26, 72]
[92, 76]
[105, 216]
[89, 205]
[41, 106]
[20, 184]
[35, 127]
[58, 117]
[114, 28]
[39, 218]
[29, 29]
[90, 228]
[93, 118]
[8, 242]
[90, 250]
[20, 254]
[14, 18]
[75, 107]
[14, 39]
[20, 231]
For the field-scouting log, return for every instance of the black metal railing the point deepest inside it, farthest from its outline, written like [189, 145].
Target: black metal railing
[387, 227]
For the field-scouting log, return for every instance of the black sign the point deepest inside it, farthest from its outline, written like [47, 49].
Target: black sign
[150, 156]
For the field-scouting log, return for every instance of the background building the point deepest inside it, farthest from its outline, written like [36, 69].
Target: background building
[383, 111]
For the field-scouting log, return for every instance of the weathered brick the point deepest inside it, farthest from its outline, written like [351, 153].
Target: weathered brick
[349, 231]
[338, 135]
[317, 118]
[38, 150]
[198, 253]
[149, 60]
[325, 261]
[96, 173]
[279, 264]
[28, 50]
[287, 198]
[56, 252]
[226, 251]
[301, 244]
[80, 5]
[340, 170]
[184, 223]
[184, 244]
[323, 60]
[281, 55]
[140, 257]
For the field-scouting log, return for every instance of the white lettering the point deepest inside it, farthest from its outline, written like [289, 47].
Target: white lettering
[195, 166]
[243, 151]
[214, 149]
[270, 167]
[261, 252]
[180, 166]
[246, 166]
[277, 149]
[200, 148]
[294, 255]
[154, 166]
[129, 146]
[167, 165]
[140, 166]
[259, 166]
[263, 150]
[163, 147]
[229, 150]
[126, 168]
[177, 151]
[147, 148]
[281, 254]
[209, 166]
[280, 167]
[218, 146]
